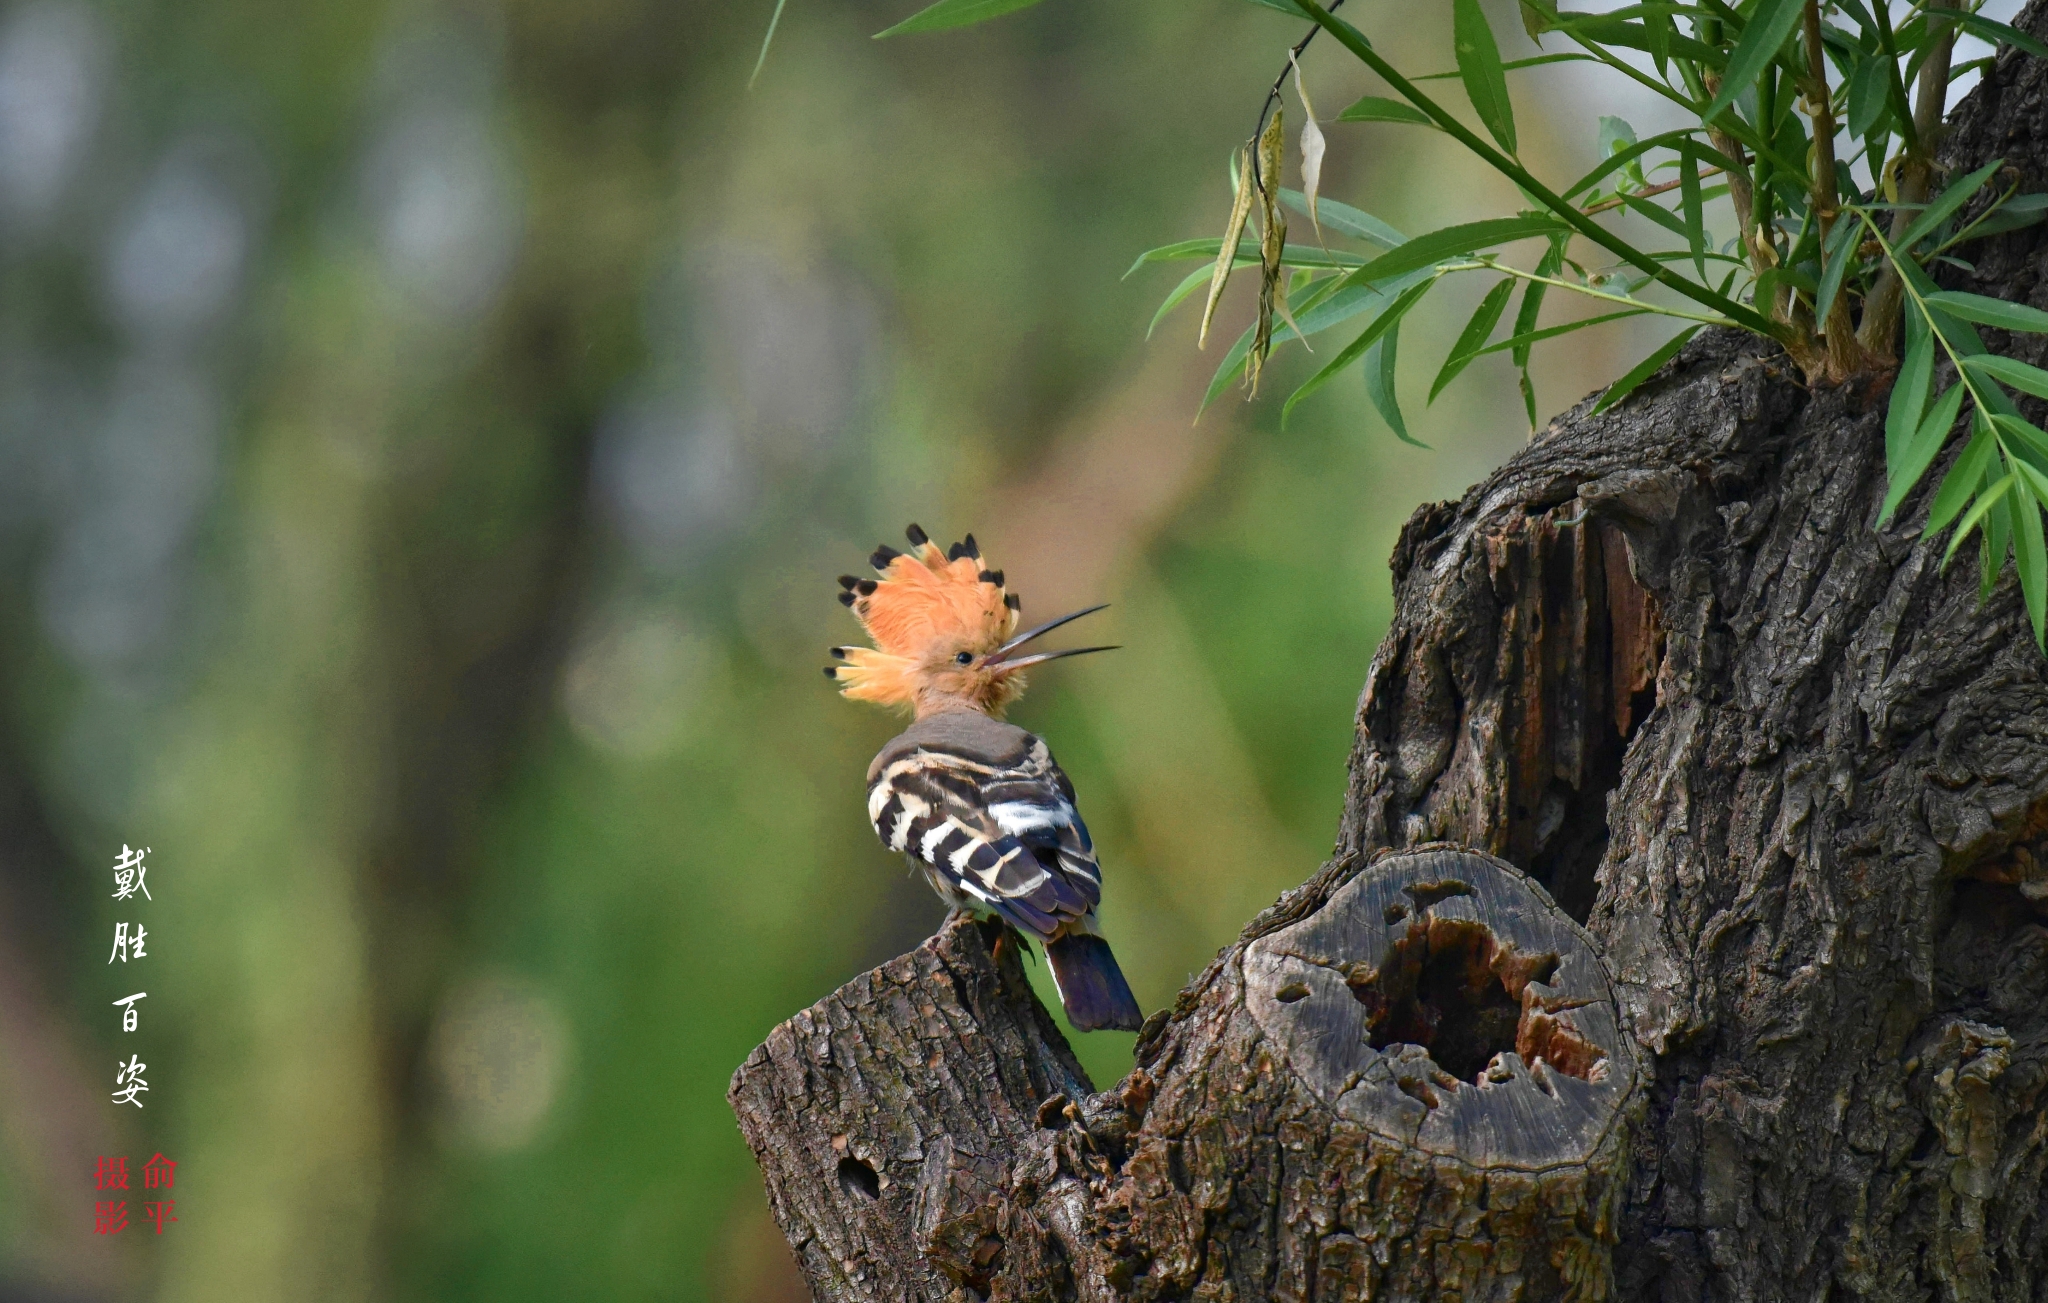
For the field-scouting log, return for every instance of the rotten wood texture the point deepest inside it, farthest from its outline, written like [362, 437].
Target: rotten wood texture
[1790, 774]
[1325, 1115]
[898, 1125]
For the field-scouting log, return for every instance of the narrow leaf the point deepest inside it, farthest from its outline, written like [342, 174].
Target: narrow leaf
[1226, 251]
[2029, 555]
[1986, 500]
[1909, 396]
[1479, 64]
[1453, 242]
[1769, 25]
[1379, 325]
[1990, 312]
[1920, 451]
[1532, 306]
[1519, 342]
[1229, 369]
[2030, 441]
[954, 13]
[2027, 379]
[1869, 95]
[1945, 205]
[1675, 140]
[1962, 481]
[1188, 286]
[1994, 31]
[1644, 369]
[2015, 213]
[1345, 220]
[1473, 337]
[761, 59]
[1378, 108]
[1380, 367]
[1692, 204]
[1997, 537]
[1838, 254]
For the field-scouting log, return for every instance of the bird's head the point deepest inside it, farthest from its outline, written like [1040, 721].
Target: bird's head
[944, 630]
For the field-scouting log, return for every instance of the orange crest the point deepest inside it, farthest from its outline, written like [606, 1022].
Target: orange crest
[925, 600]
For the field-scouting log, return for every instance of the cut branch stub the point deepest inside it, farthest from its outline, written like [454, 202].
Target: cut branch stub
[896, 1120]
[1431, 1098]
[1443, 1002]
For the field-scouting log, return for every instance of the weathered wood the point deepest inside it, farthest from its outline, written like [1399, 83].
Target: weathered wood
[892, 1118]
[1321, 1118]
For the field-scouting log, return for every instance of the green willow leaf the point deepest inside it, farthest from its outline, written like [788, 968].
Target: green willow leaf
[1381, 365]
[1525, 321]
[1838, 254]
[1909, 396]
[1378, 108]
[1194, 281]
[2027, 379]
[1206, 249]
[1990, 312]
[2029, 441]
[1345, 220]
[1230, 368]
[1770, 25]
[1479, 65]
[955, 13]
[2029, 555]
[1920, 450]
[1453, 242]
[1608, 29]
[1869, 96]
[1692, 204]
[1986, 502]
[1995, 32]
[1657, 213]
[1388, 318]
[1944, 205]
[2012, 215]
[1473, 337]
[1961, 483]
[1676, 140]
[1996, 535]
[1644, 369]
[1550, 332]
[1514, 65]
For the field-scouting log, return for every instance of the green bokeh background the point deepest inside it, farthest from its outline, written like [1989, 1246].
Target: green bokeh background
[429, 433]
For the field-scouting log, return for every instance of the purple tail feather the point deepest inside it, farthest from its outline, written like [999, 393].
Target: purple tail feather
[1091, 985]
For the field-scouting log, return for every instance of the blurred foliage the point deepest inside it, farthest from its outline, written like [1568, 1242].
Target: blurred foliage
[428, 436]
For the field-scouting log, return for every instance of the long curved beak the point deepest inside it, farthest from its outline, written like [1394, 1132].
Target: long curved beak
[999, 657]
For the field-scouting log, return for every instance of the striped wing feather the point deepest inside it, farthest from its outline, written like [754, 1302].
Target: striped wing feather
[1005, 836]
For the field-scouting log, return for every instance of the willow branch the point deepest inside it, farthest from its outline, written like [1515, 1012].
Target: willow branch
[1879, 333]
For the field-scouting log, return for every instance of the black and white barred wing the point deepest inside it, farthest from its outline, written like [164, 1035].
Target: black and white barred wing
[1005, 837]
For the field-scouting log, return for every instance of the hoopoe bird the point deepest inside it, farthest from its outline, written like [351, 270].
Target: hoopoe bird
[977, 804]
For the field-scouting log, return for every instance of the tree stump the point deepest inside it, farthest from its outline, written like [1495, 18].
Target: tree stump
[890, 1116]
[1406, 1082]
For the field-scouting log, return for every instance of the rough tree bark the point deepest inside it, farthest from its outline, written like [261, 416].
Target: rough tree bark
[1790, 775]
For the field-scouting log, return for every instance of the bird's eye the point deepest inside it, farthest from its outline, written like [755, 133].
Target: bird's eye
[964, 658]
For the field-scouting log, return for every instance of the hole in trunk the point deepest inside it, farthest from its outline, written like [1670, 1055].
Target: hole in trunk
[1593, 645]
[857, 1178]
[1453, 988]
